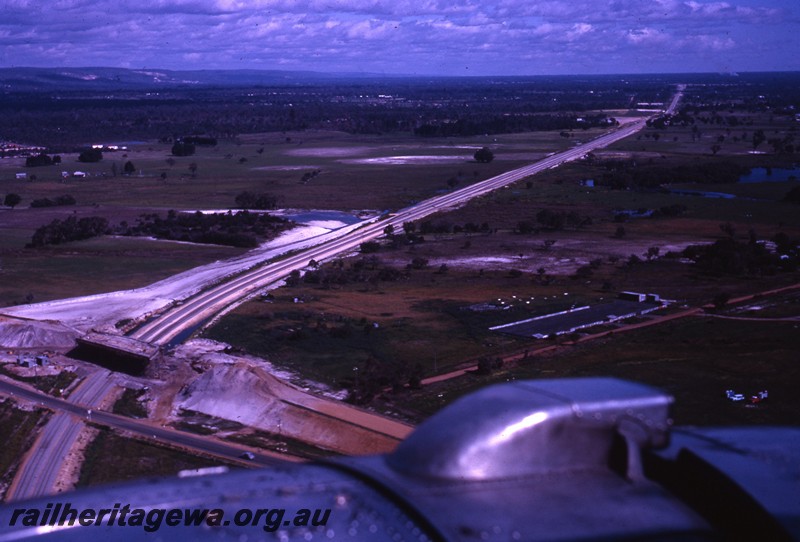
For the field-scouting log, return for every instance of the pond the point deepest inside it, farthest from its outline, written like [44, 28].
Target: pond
[756, 175]
[304, 217]
[762, 174]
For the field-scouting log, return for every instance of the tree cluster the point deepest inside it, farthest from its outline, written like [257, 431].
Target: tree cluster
[731, 257]
[793, 195]
[487, 123]
[373, 376]
[90, 155]
[434, 107]
[69, 229]
[58, 201]
[368, 269]
[12, 200]
[240, 229]
[483, 155]
[203, 141]
[551, 220]
[625, 175]
[251, 200]
[42, 159]
[182, 148]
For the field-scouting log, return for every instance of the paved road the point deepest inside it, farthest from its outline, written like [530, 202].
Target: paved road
[37, 474]
[164, 328]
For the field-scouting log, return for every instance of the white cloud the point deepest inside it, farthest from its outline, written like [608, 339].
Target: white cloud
[647, 36]
[403, 35]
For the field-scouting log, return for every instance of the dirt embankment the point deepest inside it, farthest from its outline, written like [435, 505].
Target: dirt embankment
[23, 333]
[238, 391]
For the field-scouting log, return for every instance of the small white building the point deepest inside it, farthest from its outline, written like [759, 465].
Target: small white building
[21, 176]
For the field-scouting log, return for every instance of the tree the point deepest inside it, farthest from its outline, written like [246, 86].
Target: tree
[38, 160]
[181, 148]
[129, 168]
[793, 195]
[12, 200]
[758, 138]
[90, 155]
[251, 200]
[484, 155]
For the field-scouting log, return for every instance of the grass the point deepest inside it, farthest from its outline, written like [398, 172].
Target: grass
[419, 321]
[17, 433]
[202, 424]
[281, 444]
[96, 266]
[51, 384]
[129, 405]
[112, 458]
[694, 359]
[221, 174]
[102, 265]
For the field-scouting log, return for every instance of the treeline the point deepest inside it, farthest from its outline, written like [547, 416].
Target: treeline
[628, 174]
[42, 159]
[251, 200]
[65, 120]
[504, 124]
[552, 220]
[729, 256]
[240, 229]
[69, 229]
[367, 269]
[58, 201]
[374, 376]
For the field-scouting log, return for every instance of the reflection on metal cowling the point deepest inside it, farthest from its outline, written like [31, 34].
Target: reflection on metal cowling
[572, 459]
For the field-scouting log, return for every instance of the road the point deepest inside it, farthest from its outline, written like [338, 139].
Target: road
[37, 474]
[166, 327]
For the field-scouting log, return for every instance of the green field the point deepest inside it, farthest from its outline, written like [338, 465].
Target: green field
[18, 429]
[112, 458]
[695, 359]
[93, 266]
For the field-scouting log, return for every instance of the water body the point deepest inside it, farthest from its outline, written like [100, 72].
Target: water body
[304, 217]
[703, 193]
[756, 175]
[762, 175]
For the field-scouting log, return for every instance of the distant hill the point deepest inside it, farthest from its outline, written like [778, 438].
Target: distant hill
[31, 79]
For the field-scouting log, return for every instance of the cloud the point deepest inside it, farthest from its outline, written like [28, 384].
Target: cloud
[411, 36]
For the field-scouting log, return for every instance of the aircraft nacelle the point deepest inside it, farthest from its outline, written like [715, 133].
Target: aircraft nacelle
[572, 459]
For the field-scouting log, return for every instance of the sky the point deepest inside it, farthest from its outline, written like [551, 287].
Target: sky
[424, 37]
